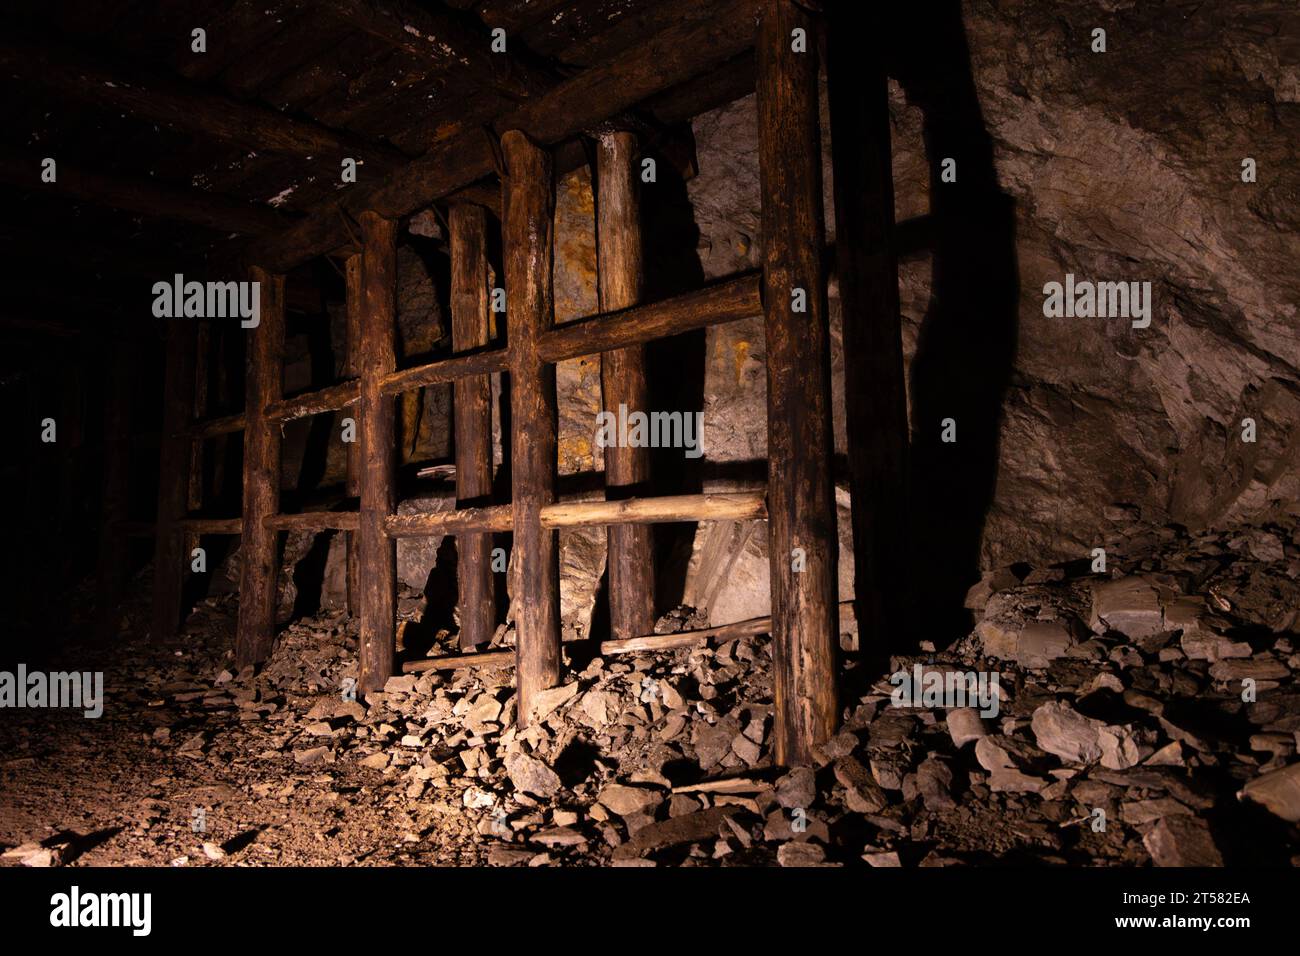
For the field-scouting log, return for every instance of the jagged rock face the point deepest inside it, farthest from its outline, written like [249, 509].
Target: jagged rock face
[1116, 166]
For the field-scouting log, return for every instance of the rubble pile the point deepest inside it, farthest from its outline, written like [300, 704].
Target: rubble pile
[1145, 714]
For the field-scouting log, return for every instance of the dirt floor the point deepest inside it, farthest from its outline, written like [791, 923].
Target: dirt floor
[1125, 733]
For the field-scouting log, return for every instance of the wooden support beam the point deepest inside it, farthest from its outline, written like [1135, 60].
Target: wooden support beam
[352, 369]
[314, 521]
[711, 635]
[327, 399]
[200, 526]
[139, 196]
[727, 301]
[182, 105]
[473, 421]
[256, 630]
[460, 521]
[112, 569]
[194, 493]
[377, 554]
[445, 370]
[630, 581]
[455, 662]
[802, 538]
[212, 427]
[173, 478]
[527, 241]
[875, 391]
[663, 60]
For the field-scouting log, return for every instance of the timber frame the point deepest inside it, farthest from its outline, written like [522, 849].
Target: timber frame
[790, 292]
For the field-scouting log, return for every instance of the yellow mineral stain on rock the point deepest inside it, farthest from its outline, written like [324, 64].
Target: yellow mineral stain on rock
[742, 356]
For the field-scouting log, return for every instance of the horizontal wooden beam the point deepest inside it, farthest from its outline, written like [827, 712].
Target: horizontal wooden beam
[709, 635]
[328, 399]
[671, 56]
[314, 521]
[212, 427]
[445, 370]
[732, 506]
[178, 104]
[212, 525]
[453, 662]
[737, 298]
[139, 195]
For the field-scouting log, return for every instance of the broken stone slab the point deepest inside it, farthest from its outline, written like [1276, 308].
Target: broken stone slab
[1006, 759]
[862, 793]
[965, 725]
[1061, 730]
[545, 702]
[1182, 841]
[689, 828]
[1258, 668]
[559, 836]
[629, 801]
[530, 775]
[1277, 791]
[800, 854]
[1202, 645]
[798, 788]
[1129, 605]
[934, 784]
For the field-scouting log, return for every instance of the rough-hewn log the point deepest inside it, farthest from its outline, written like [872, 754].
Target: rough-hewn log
[732, 506]
[255, 634]
[181, 105]
[200, 526]
[140, 196]
[445, 370]
[314, 521]
[802, 538]
[455, 662]
[461, 521]
[351, 369]
[377, 575]
[875, 393]
[111, 572]
[173, 478]
[327, 399]
[527, 243]
[669, 57]
[710, 635]
[630, 567]
[738, 298]
[473, 421]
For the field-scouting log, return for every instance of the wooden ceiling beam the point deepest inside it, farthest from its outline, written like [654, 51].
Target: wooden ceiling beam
[181, 105]
[139, 196]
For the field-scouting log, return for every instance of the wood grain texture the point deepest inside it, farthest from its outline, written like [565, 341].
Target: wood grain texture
[377, 554]
[256, 630]
[527, 242]
[801, 504]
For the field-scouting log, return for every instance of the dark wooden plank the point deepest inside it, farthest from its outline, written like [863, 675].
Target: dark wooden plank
[173, 478]
[351, 369]
[377, 554]
[112, 570]
[875, 391]
[473, 421]
[527, 242]
[802, 538]
[255, 634]
[630, 567]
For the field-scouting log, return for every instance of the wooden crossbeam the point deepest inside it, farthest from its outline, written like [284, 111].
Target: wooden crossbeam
[197, 526]
[314, 521]
[23, 169]
[328, 399]
[182, 105]
[663, 60]
[445, 370]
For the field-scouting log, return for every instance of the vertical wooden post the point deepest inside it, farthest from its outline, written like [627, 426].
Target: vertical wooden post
[194, 490]
[257, 547]
[802, 536]
[527, 237]
[473, 421]
[875, 394]
[631, 579]
[117, 451]
[173, 477]
[352, 274]
[377, 553]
